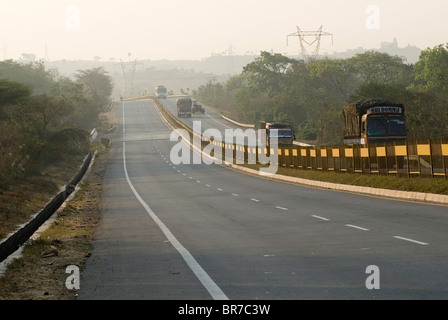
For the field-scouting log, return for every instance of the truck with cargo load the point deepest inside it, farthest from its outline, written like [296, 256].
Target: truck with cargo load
[374, 120]
[282, 130]
[184, 107]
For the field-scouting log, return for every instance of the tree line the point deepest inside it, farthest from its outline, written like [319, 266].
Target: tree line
[44, 118]
[313, 93]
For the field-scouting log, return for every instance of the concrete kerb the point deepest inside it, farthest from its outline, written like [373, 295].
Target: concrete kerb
[378, 192]
[14, 241]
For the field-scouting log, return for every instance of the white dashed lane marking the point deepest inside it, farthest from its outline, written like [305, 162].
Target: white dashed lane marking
[411, 240]
[356, 227]
[286, 209]
[321, 218]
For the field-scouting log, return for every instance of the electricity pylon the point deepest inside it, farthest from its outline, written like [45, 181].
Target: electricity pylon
[128, 69]
[309, 38]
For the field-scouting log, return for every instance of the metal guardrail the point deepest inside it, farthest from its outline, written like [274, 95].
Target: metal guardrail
[245, 125]
[423, 158]
[412, 158]
[427, 158]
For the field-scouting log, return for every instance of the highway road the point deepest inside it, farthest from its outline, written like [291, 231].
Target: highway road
[196, 231]
[209, 120]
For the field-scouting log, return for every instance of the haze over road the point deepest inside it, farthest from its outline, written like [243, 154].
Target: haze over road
[208, 232]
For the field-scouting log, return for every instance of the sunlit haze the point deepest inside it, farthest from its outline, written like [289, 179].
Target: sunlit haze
[195, 29]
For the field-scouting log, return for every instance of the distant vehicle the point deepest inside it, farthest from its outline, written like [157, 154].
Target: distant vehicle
[374, 120]
[284, 132]
[197, 108]
[161, 92]
[184, 107]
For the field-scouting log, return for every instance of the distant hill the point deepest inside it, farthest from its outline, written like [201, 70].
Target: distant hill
[410, 53]
[177, 75]
[186, 75]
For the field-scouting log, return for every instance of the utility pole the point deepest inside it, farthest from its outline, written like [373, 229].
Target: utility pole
[46, 52]
[231, 57]
[309, 38]
[5, 54]
[214, 86]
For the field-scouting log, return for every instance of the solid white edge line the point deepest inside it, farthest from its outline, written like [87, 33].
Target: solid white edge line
[124, 124]
[411, 240]
[204, 278]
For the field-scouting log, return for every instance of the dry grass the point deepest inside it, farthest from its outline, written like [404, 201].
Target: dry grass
[29, 195]
[37, 275]
[40, 273]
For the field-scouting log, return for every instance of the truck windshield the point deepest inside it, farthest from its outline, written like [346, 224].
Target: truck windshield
[396, 126]
[281, 133]
[376, 127]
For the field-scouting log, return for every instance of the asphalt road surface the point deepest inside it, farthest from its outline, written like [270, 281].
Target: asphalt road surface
[196, 231]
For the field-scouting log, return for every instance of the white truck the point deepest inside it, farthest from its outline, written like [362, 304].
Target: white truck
[161, 92]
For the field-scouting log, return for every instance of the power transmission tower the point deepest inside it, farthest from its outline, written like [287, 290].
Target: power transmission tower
[309, 38]
[128, 69]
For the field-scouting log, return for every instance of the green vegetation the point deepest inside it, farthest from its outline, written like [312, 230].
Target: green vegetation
[312, 94]
[45, 122]
[44, 118]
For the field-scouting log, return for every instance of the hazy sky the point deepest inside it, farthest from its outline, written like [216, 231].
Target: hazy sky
[193, 29]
